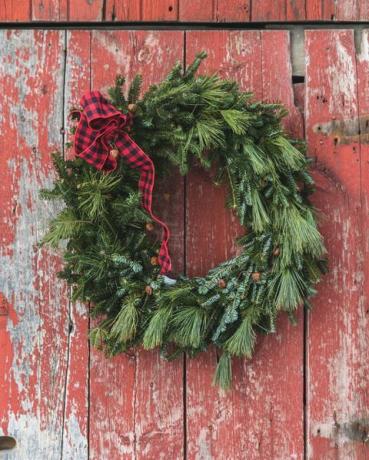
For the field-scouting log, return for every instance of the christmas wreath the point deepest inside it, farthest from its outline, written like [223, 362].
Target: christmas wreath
[113, 258]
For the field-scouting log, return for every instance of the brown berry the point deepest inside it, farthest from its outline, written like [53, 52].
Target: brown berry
[276, 252]
[256, 276]
[154, 260]
[222, 284]
[148, 290]
[149, 227]
[132, 108]
[114, 153]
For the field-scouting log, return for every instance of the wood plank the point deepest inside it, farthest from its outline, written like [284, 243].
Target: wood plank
[76, 412]
[15, 10]
[295, 10]
[136, 401]
[196, 10]
[49, 10]
[86, 10]
[232, 10]
[347, 10]
[330, 10]
[268, 10]
[160, 10]
[364, 10]
[253, 416]
[361, 366]
[277, 86]
[123, 10]
[314, 10]
[36, 332]
[338, 325]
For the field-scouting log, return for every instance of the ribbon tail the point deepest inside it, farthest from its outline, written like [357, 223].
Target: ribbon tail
[164, 257]
[138, 159]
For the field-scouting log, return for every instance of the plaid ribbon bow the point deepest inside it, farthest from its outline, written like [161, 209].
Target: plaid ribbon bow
[100, 127]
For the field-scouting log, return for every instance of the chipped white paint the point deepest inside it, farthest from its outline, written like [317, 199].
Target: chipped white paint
[31, 65]
[74, 440]
[363, 55]
[17, 273]
[342, 72]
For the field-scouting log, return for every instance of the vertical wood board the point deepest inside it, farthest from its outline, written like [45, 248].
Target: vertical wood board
[76, 412]
[136, 401]
[337, 344]
[249, 421]
[35, 334]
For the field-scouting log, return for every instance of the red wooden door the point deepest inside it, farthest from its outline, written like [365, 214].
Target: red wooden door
[305, 393]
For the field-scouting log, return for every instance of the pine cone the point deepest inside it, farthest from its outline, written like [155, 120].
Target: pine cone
[149, 227]
[154, 260]
[276, 252]
[222, 284]
[132, 108]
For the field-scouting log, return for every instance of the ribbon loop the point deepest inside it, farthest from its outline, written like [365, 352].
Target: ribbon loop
[101, 124]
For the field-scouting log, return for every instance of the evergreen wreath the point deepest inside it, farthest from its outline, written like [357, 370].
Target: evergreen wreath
[111, 252]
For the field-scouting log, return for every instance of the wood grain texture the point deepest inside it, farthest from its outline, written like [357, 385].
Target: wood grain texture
[136, 401]
[196, 10]
[268, 10]
[76, 412]
[337, 399]
[50, 10]
[15, 10]
[60, 405]
[331, 10]
[34, 360]
[86, 10]
[249, 421]
[184, 10]
[295, 10]
[123, 10]
[160, 10]
[232, 10]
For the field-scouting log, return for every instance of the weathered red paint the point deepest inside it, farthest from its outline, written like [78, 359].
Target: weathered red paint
[232, 10]
[15, 10]
[136, 408]
[251, 420]
[86, 10]
[338, 333]
[50, 10]
[34, 358]
[123, 10]
[160, 10]
[196, 10]
[184, 10]
[76, 405]
[58, 390]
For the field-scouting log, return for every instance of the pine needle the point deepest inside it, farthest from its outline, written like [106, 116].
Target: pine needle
[66, 225]
[125, 325]
[242, 342]
[238, 121]
[157, 328]
[223, 372]
[189, 324]
[289, 288]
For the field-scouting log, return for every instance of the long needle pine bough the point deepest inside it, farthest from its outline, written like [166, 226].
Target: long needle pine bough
[110, 254]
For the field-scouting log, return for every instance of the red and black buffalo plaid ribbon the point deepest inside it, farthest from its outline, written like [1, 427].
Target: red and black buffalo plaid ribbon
[101, 129]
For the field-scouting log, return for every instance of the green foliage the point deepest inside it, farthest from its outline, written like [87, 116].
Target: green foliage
[107, 250]
[242, 342]
[135, 89]
[223, 372]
